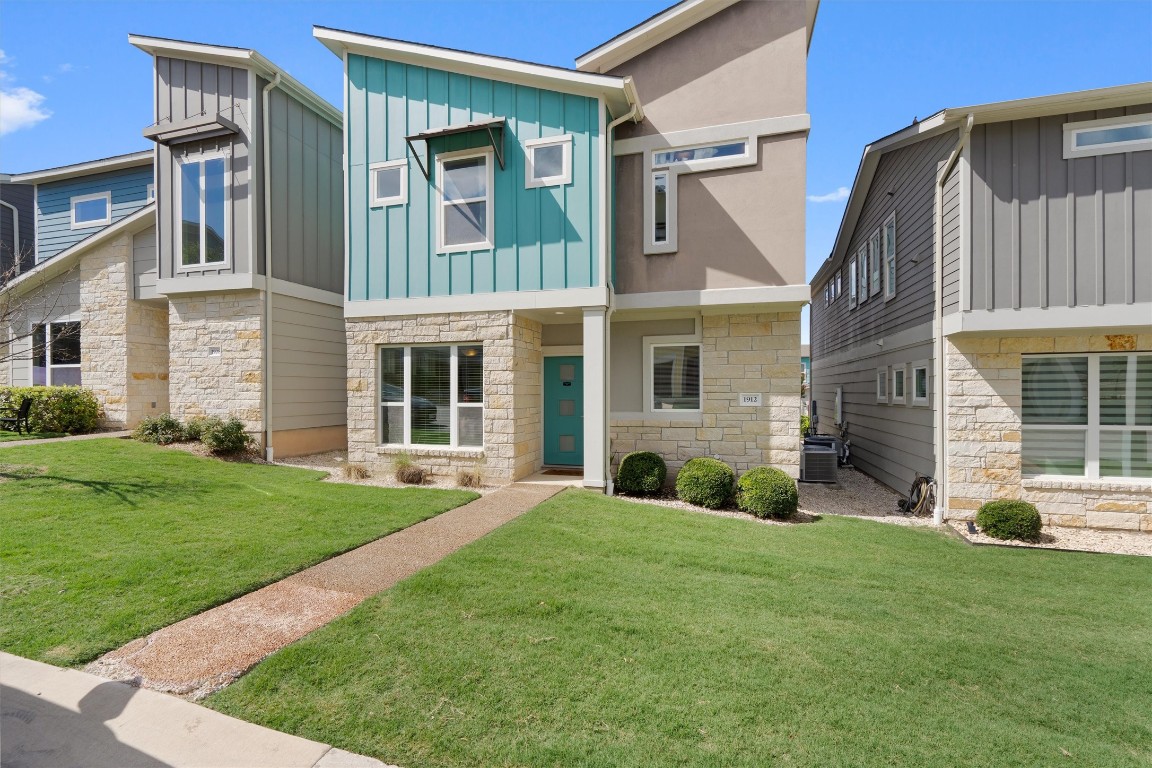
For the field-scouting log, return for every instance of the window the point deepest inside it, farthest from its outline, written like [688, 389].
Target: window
[675, 376]
[56, 354]
[837, 289]
[1087, 415]
[874, 261]
[898, 383]
[92, 210]
[827, 293]
[432, 395]
[150, 194]
[862, 261]
[882, 385]
[663, 233]
[548, 162]
[888, 248]
[852, 282]
[695, 156]
[388, 183]
[203, 212]
[465, 200]
[1108, 136]
[920, 385]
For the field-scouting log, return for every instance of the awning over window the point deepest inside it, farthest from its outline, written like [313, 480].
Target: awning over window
[193, 129]
[494, 126]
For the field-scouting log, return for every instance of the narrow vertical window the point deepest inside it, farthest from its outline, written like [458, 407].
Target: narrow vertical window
[874, 261]
[660, 208]
[465, 202]
[862, 260]
[898, 383]
[889, 248]
[204, 212]
[882, 385]
[852, 282]
[920, 385]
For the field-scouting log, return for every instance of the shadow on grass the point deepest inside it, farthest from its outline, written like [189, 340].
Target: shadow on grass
[126, 492]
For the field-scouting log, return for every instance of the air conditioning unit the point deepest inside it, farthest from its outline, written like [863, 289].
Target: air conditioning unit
[818, 464]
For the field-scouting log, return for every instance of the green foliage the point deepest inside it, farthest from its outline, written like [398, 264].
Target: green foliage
[197, 426]
[1009, 520]
[164, 429]
[225, 438]
[705, 482]
[805, 424]
[73, 410]
[641, 472]
[767, 492]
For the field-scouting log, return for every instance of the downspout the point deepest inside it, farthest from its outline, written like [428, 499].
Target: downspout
[940, 416]
[16, 255]
[265, 335]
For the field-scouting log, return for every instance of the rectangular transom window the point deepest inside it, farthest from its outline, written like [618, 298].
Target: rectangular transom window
[675, 377]
[548, 161]
[1107, 136]
[733, 149]
[1087, 415]
[432, 395]
[56, 353]
[465, 200]
[92, 210]
[388, 183]
[203, 212]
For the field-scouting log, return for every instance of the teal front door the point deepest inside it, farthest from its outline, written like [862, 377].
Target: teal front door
[564, 411]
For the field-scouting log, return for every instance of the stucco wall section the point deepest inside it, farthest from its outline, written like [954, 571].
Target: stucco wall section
[757, 353]
[512, 392]
[983, 456]
[215, 343]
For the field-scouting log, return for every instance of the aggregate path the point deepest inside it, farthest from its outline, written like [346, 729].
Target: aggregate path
[206, 652]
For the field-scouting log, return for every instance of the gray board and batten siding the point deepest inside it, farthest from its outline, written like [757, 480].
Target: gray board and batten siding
[1050, 232]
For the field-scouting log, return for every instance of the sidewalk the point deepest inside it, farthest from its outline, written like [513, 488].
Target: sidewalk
[63, 718]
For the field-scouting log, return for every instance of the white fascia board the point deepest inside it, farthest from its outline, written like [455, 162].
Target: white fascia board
[1055, 104]
[611, 89]
[1051, 321]
[648, 34]
[570, 298]
[84, 169]
[714, 297]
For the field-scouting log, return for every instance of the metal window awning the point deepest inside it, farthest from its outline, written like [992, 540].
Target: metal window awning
[193, 129]
[494, 126]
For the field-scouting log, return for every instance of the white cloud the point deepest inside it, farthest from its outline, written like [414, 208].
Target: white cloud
[66, 68]
[841, 193]
[20, 107]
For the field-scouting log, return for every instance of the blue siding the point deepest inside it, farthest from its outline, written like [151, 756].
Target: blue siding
[54, 233]
[545, 238]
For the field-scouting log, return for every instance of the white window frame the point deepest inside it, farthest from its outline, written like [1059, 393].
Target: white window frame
[747, 157]
[650, 343]
[838, 289]
[853, 286]
[150, 193]
[1071, 130]
[399, 199]
[828, 293]
[916, 399]
[888, 262]
[490, 239]
[105, 196]
[862, 274]
[882, 385]
[406, 407]
[49, 366]
[899, 373]
[651, 246]
[200, 159]
[875, 264]
[530, 147]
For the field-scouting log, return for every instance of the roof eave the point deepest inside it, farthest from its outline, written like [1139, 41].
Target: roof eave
[104, 165]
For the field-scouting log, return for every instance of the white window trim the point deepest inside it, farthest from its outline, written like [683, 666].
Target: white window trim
[875, 265]
[748, 157]
[853, 284]
[406, 406]
[489, 242]
[899, 373]
[685, 340]
[838, 289]
[1113, 148]
[381, 202]
[200, 159]
[150, 194]
[565, 177]
[889, 276]
[669, 245]
[862, 274]
[922, 401]
[105, 196]
[882, 385]
[49, 366]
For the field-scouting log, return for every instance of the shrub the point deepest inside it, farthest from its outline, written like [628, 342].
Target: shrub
[226, 437]
[74, 410]
[406, 471]
[805, 425]
[161, 430]
[705, 482]
[469, 478]
[767, 492]
[197, 425]
[641, 472]
[1009, 520]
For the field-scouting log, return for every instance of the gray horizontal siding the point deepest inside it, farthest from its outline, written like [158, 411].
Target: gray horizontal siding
[950, 241]
[1050, 232]
[144, 264]
[307, 364]
[909, 174]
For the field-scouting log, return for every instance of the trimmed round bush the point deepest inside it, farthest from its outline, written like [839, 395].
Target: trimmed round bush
[164, 429]
[641, 472]
[74, 410]
[226, 437]
[1017, 520]
[706, 483]
[767, 492]
[197, 425]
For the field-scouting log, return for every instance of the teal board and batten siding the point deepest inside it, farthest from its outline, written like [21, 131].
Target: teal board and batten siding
[545, 238]
[1050, 232]
[129, 192]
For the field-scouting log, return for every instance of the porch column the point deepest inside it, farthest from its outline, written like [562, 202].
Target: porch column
[596, 397]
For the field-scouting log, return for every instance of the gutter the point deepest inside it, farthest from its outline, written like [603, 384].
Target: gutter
[265, 346]
[940, 416]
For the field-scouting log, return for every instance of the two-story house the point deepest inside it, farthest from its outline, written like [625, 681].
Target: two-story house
[550, 267]
[985, 317]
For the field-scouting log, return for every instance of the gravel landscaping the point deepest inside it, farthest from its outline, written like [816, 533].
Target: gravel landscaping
[334, 463]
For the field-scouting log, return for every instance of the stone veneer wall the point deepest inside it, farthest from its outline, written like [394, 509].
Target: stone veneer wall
[104, 279]
[147, 364]
[984, 403]
[215, 345]
[512, 391]
[757, 353]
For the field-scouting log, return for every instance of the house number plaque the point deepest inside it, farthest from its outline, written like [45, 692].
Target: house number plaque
[749, 399]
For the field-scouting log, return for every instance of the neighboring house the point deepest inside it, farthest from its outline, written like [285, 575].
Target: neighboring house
[17, 227]
[553, 267]
[1016, 237]
[806, 379]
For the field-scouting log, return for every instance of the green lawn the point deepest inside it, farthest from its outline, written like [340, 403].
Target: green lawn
[103, 541]
[7, 437]
[595, 632]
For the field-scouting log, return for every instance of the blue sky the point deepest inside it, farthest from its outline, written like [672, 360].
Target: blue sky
[873, 66]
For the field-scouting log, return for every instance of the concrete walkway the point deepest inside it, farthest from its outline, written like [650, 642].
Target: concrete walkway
[63, 718]
[206, 652]
[67, 439]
